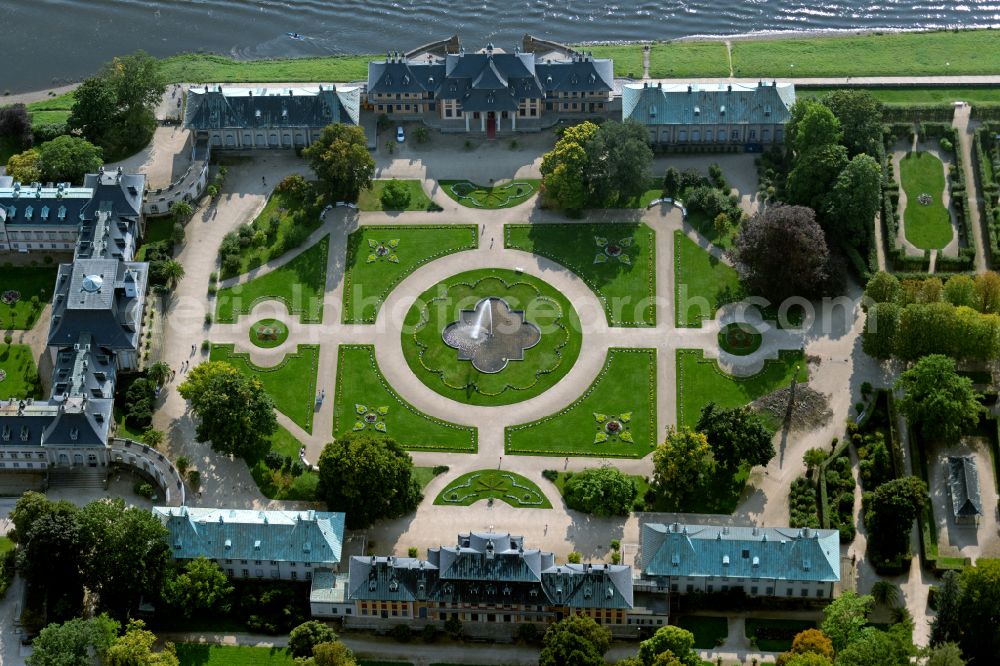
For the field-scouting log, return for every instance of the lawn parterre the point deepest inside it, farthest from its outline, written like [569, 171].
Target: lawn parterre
[18, 286]
[926, 222]
[700, 381]
[371, 199]
[202, 654]
[380, 256]
[437, 365]
[617, 262]
[702, 283]
[207, 68]
[291, 383]
[614, 418]
[487, 484]
[740, 339]
[268, 333]
[366, 403]
[506, 195]
[18, 373]
[299, 284]
[281, 484]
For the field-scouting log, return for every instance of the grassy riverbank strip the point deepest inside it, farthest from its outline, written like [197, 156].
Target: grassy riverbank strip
[930, 53]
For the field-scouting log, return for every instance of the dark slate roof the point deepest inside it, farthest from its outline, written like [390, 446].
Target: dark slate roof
[749, 552]
[964, 485]
[396, 75]
[492, 569]
[84, 369]
[33, 204]
[266, 108]
[102, 297]
[283, 536]
[708, 103]
[582, 74]
[117, 191]
[75, 421]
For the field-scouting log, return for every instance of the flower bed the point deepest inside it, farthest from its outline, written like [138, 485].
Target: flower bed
[507, 195]
[268, 333]
[740, 339]
[490, 484]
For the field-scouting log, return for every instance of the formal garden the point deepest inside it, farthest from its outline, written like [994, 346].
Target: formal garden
[18, 373]
[268, 333]
[291, 383]
[496, 196]
[380, 256]
[27, 291]
[366, 403]
[493, 484]
[739, 339]
[524, 354]
[926, 221]
[703, 283]
[395, 195]
[617, 262]
[615, 417]
[300, 284]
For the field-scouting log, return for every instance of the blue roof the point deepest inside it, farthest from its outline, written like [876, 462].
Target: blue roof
[740, 552]
[708, 103]
[283, 536]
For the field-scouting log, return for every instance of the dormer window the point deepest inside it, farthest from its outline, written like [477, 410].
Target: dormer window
[29, 212]
[675, 559]
[697, 110]
[767, 110]
[806, 564]
[229, 544]
[307, 547]
[45, 212]
[256, 544]
[74, 434]
[725, 560]
[24, 433]
[61, 214]
[393, 585]
[372, 585]
[588, 592]
[6, 433]
[610, 593]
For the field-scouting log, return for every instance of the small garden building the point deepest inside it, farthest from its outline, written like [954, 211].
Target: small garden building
[963, 486]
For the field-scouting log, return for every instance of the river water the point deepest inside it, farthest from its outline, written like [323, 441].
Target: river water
[49, 42]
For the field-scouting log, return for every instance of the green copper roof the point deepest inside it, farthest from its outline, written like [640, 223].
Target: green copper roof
[708, 103]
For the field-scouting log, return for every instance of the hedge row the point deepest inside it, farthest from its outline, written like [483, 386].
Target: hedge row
[985, 162]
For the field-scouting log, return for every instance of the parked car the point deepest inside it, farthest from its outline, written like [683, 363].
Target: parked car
[400, 137]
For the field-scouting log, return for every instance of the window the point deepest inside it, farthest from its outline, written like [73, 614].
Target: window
[229, 572]
[673, 588]
[246, 573]
[753, 590]
[256, 561]
[805, 592]
[789, 592]
[690, 588]
[243, 561]
[753, 135]
[734, 135]
[770, 590]
[819, 593]
[295, 575]
[765, 135]
[308, 564]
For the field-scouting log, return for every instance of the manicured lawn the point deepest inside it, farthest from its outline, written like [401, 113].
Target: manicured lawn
[284, 225]
[706, 228]
[700, 381]
[709, 631]
[505, 195]
[21, 374]
[299, 284]
[437, 365]
[928, 227]
[375, 267]
[6, 545]
[423, 476]
[24, 282]
[623, 392]
[279, 484]
[53, 110]
[667, 59]
[740, 339]
[702, 283]
[361, 384]
[268, 333]
[918, 96]
[205, 68]
[157, 229]
[291, 383]
[625, 284]
[776, 630]
[371, 199]
[200, 654]
[499, 484]
[891, 54]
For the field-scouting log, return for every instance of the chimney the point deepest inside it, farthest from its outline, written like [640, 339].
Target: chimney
[689, 89]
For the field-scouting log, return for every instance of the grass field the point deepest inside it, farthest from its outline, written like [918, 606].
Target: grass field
[28, 282]
[292, 228]
[702, 283]
[700, 381]
[667, 59]
[205, 68]
[199, 654]
[437, 365]
[371, 199]
[500, 484]
[709, 631]
[917, 96]
[54, 110]
[927, 227]
[360, 383]
[371, 272]
[21, 380]
[892, 54]
[506, 195]
[624, 391]
[299, 284]
[706, 228]
[626, 284]
[789, 627]
[279, 484]
[291, 383]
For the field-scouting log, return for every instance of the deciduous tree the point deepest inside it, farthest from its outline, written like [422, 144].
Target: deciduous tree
[303, 638]
[854, 202]
[15, 123]
[960, 290]
[619, 158]
[73, 643]
[845, 617]
[341, 161]
[201, 588]
[682, 463]
[66, 159]
[937, 399]
[987, 287]
[574, 641]
[860, 116]
[882, 288]
[135, 648]
[946, 654]
[874, 647]
[368, 478]
[980, 611]
[678, 642]
[810, 179]
[737, 436]
[890, 513]
[947, 624]
[812, 125]
[25, 167]
[603, 491]
[236, 414]
[782, 252]
[565, 168]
